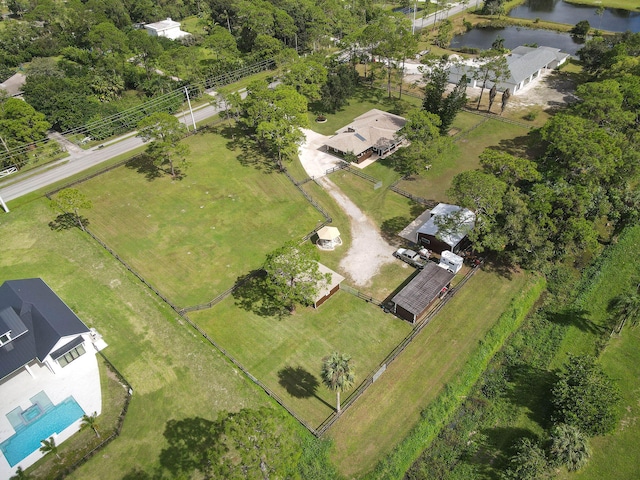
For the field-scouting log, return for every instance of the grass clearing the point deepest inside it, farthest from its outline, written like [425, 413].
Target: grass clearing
[365, 99]
[489, 133]
[623, 4]
[211, 227]
[286, 353]
[174, 374]
[390, 408]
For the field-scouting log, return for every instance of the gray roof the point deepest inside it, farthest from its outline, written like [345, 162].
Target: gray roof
[468, 220]
[45, 317]
[374, 128]
[416, 296]
[524, 61]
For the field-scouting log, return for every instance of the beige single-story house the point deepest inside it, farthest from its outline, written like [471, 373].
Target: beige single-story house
[526, 64]
[372, 133]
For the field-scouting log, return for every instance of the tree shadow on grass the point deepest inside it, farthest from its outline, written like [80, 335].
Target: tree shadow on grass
[497, 449]
[578, 319]
[250, 153]
[531, 388]
[253, 296]
[144, 164]
[190, 441]
[66, 221]
[391, 227]
[299, 383]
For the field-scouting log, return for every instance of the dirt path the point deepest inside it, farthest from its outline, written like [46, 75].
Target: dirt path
[368, 251]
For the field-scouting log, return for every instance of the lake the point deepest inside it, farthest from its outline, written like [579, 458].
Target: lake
[482, 38]
[612, 19]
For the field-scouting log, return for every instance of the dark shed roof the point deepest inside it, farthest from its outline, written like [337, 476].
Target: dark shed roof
[47, 319]
[416, 296]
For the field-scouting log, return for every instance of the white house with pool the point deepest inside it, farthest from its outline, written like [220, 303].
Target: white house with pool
[49, 374]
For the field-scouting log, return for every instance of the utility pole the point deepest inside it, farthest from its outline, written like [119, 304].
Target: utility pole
[413, 25]
[186, 91]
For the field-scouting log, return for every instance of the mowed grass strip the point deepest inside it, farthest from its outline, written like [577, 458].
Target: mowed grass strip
[388, 410]
[174, 374]
[192, 238]
[286, 353]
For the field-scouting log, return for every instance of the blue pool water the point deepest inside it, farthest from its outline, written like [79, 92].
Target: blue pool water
[27, 439]
[31, 413]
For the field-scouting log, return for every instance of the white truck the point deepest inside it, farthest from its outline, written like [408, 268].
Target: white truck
[416, 259]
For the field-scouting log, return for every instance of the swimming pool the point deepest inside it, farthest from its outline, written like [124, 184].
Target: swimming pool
[53, 420]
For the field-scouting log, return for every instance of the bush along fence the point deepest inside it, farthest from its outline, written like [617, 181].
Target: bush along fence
[436, 415]
[116, 433]
[372, 377]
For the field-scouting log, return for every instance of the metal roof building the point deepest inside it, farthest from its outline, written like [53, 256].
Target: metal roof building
[412, 302]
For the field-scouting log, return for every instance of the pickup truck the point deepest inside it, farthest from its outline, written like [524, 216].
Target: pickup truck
[413, 258]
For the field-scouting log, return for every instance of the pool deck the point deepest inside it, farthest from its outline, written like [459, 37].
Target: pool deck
[79, 379]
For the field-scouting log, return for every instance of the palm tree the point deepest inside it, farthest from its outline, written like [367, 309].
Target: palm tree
[337, 374]
[20, 475]
[90, 421]
[49, 446]
[569, 447]
[626, 307]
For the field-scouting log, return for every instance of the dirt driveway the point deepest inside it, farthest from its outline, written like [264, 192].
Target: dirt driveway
[369, 251]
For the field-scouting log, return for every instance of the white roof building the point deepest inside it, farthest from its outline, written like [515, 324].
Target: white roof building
[166, 28]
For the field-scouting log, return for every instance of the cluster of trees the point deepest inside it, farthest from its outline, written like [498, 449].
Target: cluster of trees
[533, 211]
[585, 404]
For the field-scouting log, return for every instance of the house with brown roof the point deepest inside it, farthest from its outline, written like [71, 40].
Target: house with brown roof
[372, 133]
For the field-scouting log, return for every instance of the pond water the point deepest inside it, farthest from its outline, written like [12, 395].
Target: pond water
[612, 19]
[482, 38]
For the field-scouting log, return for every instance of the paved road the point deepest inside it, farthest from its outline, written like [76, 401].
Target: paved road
[79, 161]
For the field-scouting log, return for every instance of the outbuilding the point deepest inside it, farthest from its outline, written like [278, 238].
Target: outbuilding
[166, 28]
[413, 301]
[327, 290]
[328, 238]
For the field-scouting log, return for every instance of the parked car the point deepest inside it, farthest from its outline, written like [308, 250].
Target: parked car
[413, 258]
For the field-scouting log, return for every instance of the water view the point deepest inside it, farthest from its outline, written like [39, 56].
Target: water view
[482, 38]
[612, 19]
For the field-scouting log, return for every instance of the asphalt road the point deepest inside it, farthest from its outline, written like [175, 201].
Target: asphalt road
[79, 161]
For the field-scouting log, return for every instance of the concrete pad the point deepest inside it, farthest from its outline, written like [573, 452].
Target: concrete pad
[314, 159]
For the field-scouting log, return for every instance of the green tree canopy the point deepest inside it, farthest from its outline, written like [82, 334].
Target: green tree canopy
[569, 447]
[72, 200]
[293, 275]
[338, 374]
[165, 132]
[584, 396]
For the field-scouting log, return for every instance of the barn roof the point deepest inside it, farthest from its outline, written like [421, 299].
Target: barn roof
[336, 279]
[416, 296]
[453, 237]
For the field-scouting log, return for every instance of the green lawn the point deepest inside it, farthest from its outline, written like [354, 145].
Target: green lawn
[286, 353]
[174, 374]
[623, 4]
[365, 99]
[434, 183]
[192, 238]
[388, 410]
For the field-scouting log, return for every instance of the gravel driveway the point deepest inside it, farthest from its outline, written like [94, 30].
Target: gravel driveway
[369, 251]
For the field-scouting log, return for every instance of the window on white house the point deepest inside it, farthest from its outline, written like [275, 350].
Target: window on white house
[71, 355]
